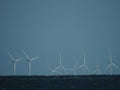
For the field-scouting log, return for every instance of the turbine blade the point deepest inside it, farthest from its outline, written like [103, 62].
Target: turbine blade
[34, 58]
[19, 59]
[57, 68]
[13, 59]
[26, 55]
[87, 68]
[110, 57]
[115, 66]
[107, 67]
[63, 68]
[53, 71]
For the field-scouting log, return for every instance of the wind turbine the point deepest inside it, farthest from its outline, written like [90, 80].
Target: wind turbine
[52, 70]
[60, 67]
[29, 60]
[111, 64]
[14, 61]
[74, 69]
[84, 66]
[97, 70]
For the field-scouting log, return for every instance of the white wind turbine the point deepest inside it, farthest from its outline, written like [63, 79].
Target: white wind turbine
[97, 70]
[74, 69]
[111, 64]
[29, 60]
[52, 70]
[84, 66]
[14, 61]
[60, 67]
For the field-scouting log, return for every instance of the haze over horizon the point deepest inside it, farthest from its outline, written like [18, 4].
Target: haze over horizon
[45, 28]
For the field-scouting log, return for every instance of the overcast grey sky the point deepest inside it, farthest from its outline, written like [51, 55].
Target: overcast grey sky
[46, 27]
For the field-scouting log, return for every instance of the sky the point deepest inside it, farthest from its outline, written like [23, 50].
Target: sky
[45, 28]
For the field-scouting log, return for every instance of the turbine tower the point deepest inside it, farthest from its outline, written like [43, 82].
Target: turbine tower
[97, 70]
[111, 64]
[60, 67]
[14, 61]
[29, 60]
[74, 69]
[84, 66]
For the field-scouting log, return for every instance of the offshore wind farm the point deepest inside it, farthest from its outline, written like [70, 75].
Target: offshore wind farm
[60, 69]
[59, 44]
[59, 78]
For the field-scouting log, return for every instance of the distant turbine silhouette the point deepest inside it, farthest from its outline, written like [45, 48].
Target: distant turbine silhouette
[111, 64]
[52, 70]
[74, 69]
[14, 61]
[29, 60]
[97, 70]
[60, 67]
[84, 66]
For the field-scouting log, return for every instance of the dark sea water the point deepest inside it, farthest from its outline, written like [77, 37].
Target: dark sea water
[84, 82]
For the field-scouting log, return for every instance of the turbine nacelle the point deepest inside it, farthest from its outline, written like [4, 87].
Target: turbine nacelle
[52, 70]
[14, 61]
[97, 70]
[59, 68]
[84, 66]
[111, 64]
[29, 60]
